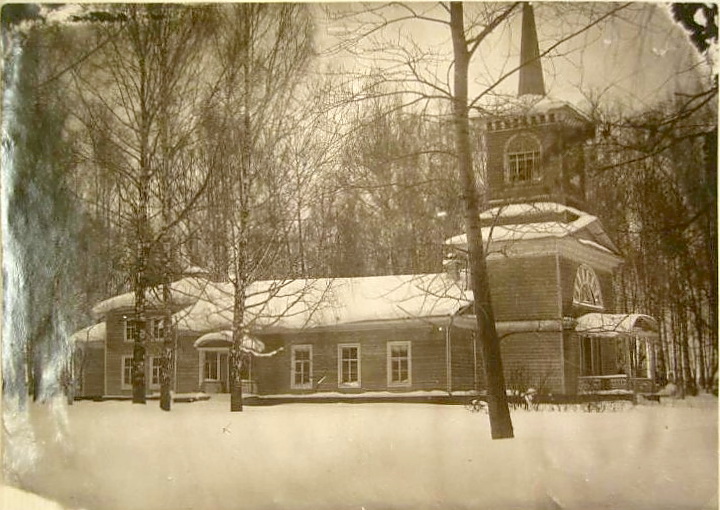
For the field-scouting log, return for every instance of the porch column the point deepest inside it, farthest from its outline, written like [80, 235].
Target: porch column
[650, 346]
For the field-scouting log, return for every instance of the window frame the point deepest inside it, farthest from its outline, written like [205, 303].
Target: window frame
[216, 353]
[390, 369]
[126, 363]
[585, 276]
[153, 324]
[159, 324]
[155, 364]
[127, 321]
[591, 350]
[535, 156]
[293, 367]
[341, 362]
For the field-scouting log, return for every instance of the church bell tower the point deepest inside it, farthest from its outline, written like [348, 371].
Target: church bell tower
[535, 152]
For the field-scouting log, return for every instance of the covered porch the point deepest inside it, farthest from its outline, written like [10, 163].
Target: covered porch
[617, 353]
[214, 362]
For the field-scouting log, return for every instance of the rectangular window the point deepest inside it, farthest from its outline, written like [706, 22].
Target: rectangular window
[126, 381]
[521, 166]
[591, 354]
[129, 330]
[399, 364]
[211, 371]
[158, 326]
[301, 377]
[349, 365]
[155, 364]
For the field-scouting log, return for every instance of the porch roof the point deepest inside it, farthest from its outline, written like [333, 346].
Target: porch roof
[617, 324]
[90, 334]
[224, 339]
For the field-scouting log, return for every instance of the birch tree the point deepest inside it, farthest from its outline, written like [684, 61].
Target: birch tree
[654, 180]
[262, 51]
[137, 96]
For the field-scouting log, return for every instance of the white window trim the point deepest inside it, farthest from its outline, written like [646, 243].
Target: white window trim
[356, 384]
[506, 160]
[153, 321]
[150, 328]
[594, 280]
[217, 367]
[127, 319]
[125, 385]
[309, 384]
[201, 367]
[151, 364]
[390, 382]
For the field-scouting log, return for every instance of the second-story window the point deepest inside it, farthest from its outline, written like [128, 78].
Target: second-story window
[158, 329]
[130, 328]
[522, 159]
[586, 289]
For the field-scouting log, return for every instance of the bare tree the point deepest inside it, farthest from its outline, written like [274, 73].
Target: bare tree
[654, 179]
[262, 51]
[422, 75]
[137, 96]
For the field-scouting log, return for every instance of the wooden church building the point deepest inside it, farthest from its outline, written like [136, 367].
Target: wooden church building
[550, 263]
[550, 266]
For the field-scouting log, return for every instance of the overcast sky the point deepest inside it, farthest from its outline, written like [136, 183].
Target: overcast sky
[632, 60]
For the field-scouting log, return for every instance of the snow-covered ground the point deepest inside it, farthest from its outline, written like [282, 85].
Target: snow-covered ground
[119, 456]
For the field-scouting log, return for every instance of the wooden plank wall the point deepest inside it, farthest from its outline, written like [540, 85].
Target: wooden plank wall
[533, 359]
[117, 348]
[428, 360]
[93, 371]
[524, 289]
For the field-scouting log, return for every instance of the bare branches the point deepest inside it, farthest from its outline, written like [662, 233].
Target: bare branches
[547, 51]
[475, 41]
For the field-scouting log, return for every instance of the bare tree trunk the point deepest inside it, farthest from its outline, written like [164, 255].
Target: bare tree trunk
[166, 367]
[241, 258]
[236, 354]
[140, 285]
[500, 422]
[688, 377]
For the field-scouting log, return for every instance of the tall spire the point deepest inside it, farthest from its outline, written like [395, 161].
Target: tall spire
[531, 77]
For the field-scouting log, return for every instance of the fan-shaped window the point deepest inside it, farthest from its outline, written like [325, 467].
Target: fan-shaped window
[522, 159]
[587, 288]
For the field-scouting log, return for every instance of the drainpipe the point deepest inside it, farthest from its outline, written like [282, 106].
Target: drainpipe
[448, 353]
[476, 379]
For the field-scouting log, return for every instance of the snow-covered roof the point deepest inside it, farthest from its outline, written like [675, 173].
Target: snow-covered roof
[529, 209]
[94, 333]
[225, 337]
[527, 230]
[533, 105]
[194, 271]
[297, 304]
[618, 324]
[548, 104]
[183, 292]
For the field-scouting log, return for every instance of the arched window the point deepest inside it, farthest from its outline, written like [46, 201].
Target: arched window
[587, 288]
[522, 159]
